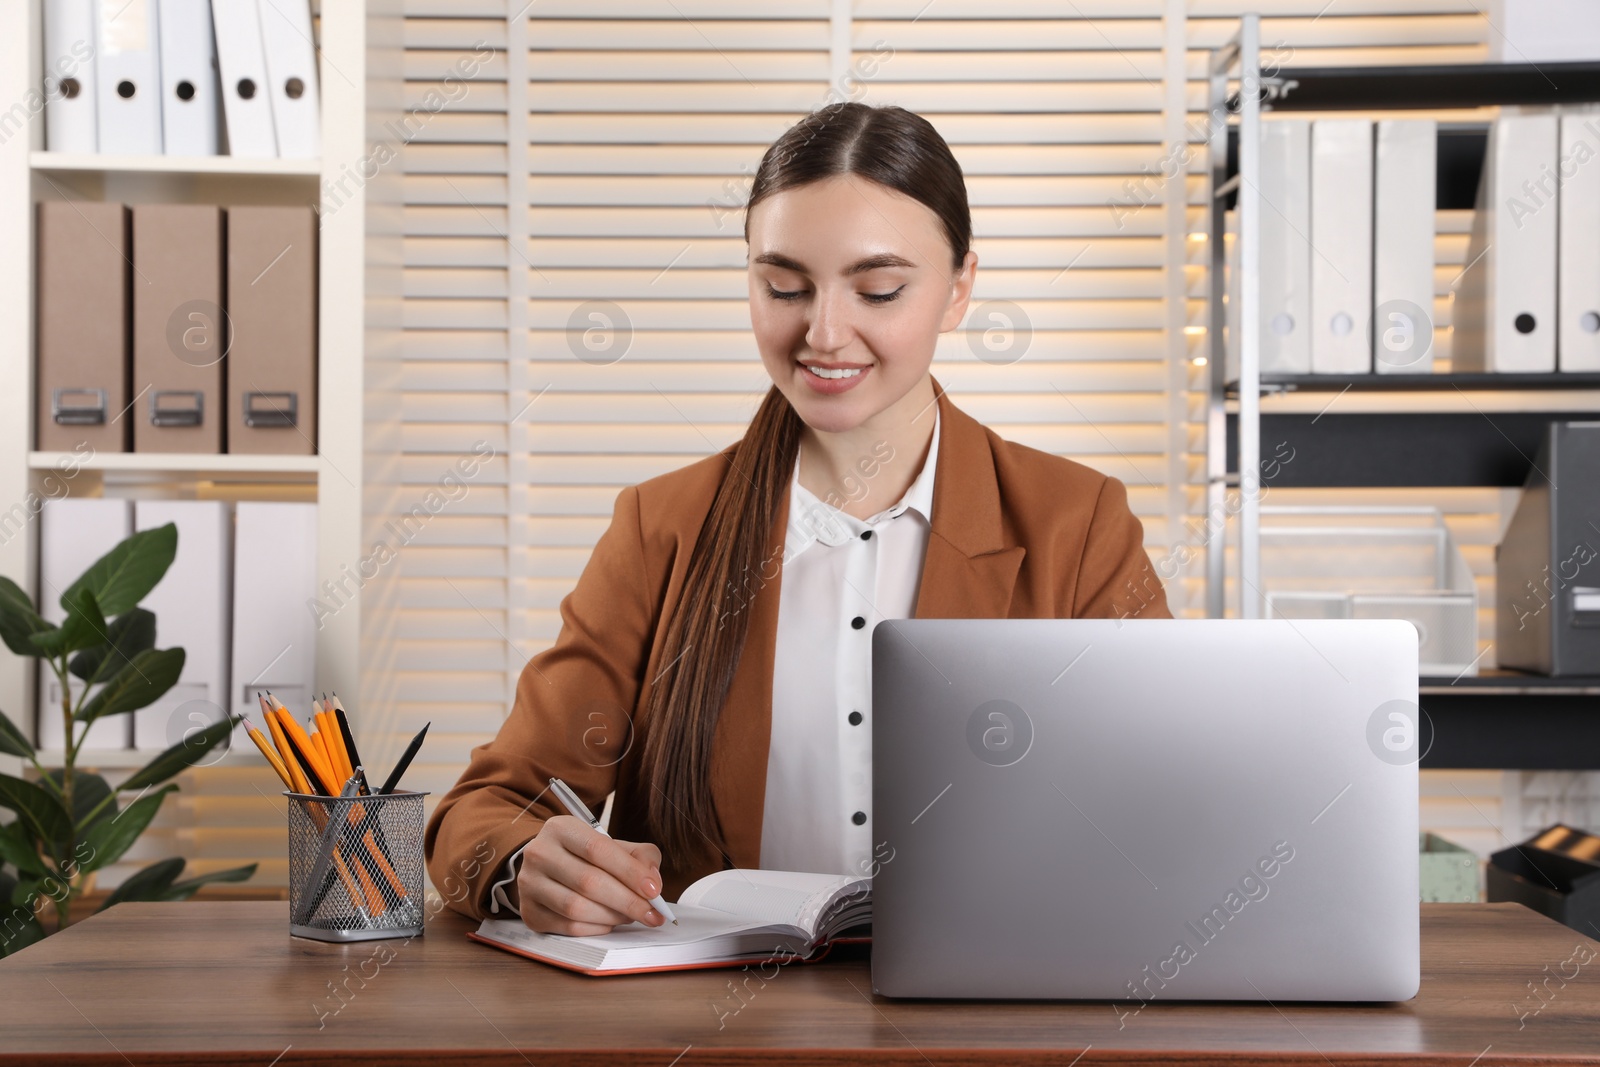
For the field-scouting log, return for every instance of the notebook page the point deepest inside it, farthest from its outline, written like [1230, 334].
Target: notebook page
[794, 898]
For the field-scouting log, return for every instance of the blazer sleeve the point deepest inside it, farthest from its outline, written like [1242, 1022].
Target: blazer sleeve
[571, 719]
[1115, 577]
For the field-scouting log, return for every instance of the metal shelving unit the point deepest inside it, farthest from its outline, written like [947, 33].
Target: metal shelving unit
[1498, 719]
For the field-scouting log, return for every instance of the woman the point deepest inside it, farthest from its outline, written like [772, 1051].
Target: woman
[712, 664]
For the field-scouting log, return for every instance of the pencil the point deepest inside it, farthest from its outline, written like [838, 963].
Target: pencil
[272, 757]
[294, 779]
[303, 743]
[335, 743]
[405, 760]
[350, 743]
[318, 743]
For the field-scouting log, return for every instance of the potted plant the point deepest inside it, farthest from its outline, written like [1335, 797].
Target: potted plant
[70, 823]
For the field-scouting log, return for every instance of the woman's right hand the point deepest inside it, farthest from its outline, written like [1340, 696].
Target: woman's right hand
[575, 880]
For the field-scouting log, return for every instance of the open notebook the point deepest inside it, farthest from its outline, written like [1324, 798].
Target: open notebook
[732, 917]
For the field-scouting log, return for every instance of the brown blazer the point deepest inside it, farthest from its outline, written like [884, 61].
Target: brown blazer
[1015, 533]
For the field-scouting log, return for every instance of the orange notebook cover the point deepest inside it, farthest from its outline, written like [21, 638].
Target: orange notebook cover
[731, 918]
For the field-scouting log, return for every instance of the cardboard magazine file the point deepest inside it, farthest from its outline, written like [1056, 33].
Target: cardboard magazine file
[83, 251]
[272, 309]
[179, 331]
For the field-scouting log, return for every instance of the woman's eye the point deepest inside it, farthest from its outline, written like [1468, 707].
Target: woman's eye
[781, 294]
[882, 298]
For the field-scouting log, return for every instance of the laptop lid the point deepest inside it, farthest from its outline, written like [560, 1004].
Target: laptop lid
[1145, 810]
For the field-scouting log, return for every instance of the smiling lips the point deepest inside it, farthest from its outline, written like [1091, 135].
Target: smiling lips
[834, 378]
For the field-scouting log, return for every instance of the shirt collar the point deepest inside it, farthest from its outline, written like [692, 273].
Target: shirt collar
[811, 517]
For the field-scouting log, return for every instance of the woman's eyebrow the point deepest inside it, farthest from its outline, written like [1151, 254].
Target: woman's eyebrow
[873, 262]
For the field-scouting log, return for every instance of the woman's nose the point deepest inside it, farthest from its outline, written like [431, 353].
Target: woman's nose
[829, 329]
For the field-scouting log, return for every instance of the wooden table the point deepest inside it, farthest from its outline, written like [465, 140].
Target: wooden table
[224, 983]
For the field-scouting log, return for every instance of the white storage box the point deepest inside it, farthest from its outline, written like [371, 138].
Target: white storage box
[1374, 563]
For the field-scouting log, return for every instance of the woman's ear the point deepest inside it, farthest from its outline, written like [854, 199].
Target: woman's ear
[960, 293]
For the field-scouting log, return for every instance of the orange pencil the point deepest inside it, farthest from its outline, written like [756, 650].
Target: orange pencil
[297, 734]
[272, 757]
[316, 755]
[335, 743]
[297, 778]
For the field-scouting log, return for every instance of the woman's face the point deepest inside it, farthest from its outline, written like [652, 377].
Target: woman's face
[846, 273]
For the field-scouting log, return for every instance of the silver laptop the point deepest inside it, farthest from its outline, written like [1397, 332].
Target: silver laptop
[1146, 810]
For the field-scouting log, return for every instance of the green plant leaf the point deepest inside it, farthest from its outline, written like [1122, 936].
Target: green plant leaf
[19, 926]
[13, 742]
[129, 634]
[108, 839]
[19, 850]
[181, 755]
[140, 683]
[18, 619]
[122, 577]
[185, 889]
[85, 627]
[88, 790]
[146, 884]
[37, 808]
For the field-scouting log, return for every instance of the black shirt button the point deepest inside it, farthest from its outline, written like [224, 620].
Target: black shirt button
[858, 622]
[866, 535]
[859, 817]
[855, 718]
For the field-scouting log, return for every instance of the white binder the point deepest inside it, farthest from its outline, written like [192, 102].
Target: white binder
[128, 76]
[1505, 309]
[1578, 297]
[241, 63]
[191, 606]
[274, 628]
[1404, 333]
[189, 105]
[1285, 246]
[73, 534]
[1542, 31]
[69, 76]
[1341, 239]
[292, 72]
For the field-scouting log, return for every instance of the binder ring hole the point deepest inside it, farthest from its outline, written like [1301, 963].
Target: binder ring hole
[1590, 321]
[71, 87]
[1525, 323]
[294, 88]
[125, 89]
[247, 89]
[185, 90]
[1341, 325]
[1283, 324]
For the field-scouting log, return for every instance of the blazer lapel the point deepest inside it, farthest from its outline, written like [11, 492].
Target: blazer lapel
[969, 572]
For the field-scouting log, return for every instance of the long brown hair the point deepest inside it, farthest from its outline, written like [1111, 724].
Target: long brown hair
[731, 560]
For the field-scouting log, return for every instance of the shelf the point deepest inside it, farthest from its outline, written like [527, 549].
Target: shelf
[76, 161]
[1466, 85]
[201, 463]
[1415, 450]
[1509, 720]
[1414, 383]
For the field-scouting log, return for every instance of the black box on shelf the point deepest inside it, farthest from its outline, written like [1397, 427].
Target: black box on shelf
[1547, 584]
[1556, 873]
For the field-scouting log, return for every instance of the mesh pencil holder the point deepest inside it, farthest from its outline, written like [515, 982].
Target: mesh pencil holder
[355, 866]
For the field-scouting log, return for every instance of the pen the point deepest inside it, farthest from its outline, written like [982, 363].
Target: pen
[575, 806]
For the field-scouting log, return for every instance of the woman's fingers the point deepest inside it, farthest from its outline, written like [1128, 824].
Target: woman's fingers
[647, 852]
[576, 880]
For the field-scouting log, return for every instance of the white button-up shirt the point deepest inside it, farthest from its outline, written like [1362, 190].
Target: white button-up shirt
[841, 576]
